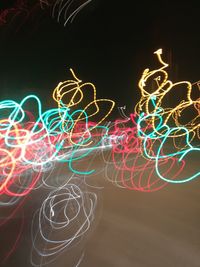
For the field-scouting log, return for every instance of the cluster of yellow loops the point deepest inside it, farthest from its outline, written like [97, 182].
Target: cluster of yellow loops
[155, 84]
[76, 95]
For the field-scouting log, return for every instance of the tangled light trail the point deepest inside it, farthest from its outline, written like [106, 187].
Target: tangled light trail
[171, 113]
[32, 145]
[63, 219]
[163, 132]
[82, 96]
[131, 164]
[22, 11]
[143, 151]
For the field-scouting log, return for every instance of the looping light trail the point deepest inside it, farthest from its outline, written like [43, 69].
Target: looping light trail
[143, 151]
[64, 218]
[155, 83]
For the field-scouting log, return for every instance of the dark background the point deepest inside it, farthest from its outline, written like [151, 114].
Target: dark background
[109, 44]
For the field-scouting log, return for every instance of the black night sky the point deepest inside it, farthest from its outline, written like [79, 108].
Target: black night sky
[109, 44]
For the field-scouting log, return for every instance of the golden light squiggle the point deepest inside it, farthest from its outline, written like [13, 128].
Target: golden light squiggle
[155, 83]
[71, 94]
